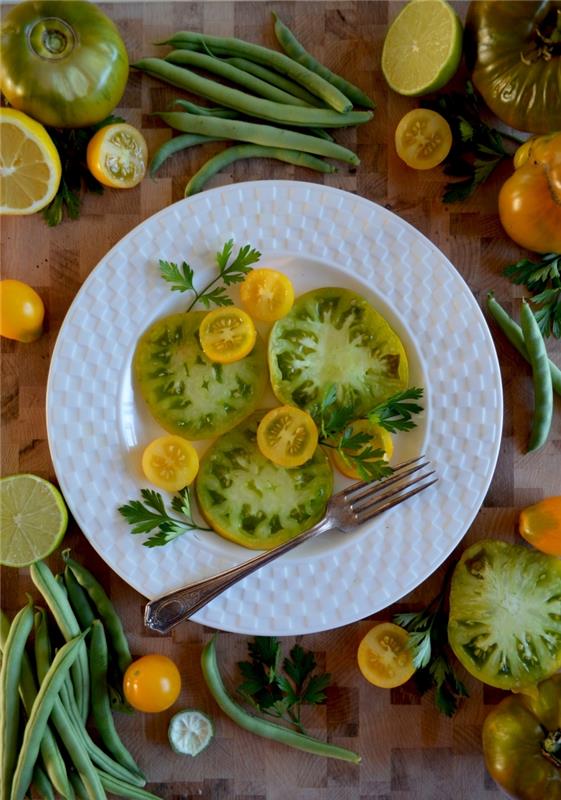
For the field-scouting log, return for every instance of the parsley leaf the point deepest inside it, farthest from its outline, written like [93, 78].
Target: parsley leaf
[182, 277]
[477, 149]
[543, 278]
[395, 414]
[282, 692]
[428, 640]
[72, 144]
[151, 514]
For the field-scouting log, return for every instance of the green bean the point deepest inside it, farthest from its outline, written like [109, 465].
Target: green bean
[79, 787]
[105, 609]
[295, 50]
[270, 58]
[99, 757]
[101, 707]
[62, 721]
[222, 160]
[263, 727]
[123, 789]
[541, 376]
[41, 782]
[50, 753]
[42, 707]
[204, 111]
[78, 600]
[274, 78]
[514, 334]
[253, 106]
[177, 144]
[266, 135]
[9, 700]
[233, 74]
[66, 620]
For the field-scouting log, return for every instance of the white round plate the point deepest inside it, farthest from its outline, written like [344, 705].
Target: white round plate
[320, 236]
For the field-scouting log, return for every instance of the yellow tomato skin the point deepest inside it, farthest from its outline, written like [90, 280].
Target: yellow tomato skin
[540, 525]
[152, 683]
[267, 294]
[287, 436]
[423, 138]
[530, 200]
[380, 440]
[227, 334]
[170, 462]
[21, 311]
[384, 657]
[117, 156]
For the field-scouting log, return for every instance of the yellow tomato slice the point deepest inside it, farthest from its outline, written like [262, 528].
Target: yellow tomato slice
[380, 439]
[227, 334]
[423, 138]
[170, 462]
[384, 657]
[117, 156]
[267, 294]
[287, 436]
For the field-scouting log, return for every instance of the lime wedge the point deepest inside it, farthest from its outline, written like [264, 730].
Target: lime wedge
[190, 731]
[33, 519]
[422, 48]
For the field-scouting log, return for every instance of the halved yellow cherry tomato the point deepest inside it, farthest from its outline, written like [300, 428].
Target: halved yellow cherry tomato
[152, 683]
[287, 436]
[227, 334]
[380, 439]
[267, 294]
[170, 462]
[384, 657]
[117, 156]
[423, 138]
[21, 311]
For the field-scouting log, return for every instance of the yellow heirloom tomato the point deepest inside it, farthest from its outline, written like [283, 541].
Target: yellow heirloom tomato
[21, 311]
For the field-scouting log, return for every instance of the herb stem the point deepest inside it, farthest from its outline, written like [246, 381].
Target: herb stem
[202, 292]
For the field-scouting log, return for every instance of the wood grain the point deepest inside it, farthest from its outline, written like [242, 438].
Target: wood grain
[409, 751]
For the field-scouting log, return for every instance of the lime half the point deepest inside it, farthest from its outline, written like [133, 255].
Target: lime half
[190, 731]
[422, 48]
[33, 519]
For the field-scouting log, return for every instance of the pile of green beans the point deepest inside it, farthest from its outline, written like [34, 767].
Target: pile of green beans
[277, 92]
[546, 376]
[54, 697]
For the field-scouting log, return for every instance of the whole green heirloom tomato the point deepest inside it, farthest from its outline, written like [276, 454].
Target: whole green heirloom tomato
[63, 62]
[522, 743]
[513, 51]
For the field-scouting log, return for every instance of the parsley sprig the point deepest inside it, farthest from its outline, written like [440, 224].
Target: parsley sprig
[151, 514]
[182, 277]
[428, 639]
[477, 149]
[281, 691]
[335, 422]
[543, 279]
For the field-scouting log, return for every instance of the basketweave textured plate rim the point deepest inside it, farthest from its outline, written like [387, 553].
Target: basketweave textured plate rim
[86, 410]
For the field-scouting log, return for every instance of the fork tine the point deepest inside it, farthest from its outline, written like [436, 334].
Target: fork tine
[377, 508]
[366, 501]
[358, 490]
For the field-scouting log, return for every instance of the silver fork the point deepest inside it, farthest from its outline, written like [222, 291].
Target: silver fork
[345, 511]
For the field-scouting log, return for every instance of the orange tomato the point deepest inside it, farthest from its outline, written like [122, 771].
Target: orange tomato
[380, 439]
[152, 683]
[540, 525]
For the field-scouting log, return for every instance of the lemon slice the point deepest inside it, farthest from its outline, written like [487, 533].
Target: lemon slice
[422, 48]
[33, 519]
[30, 167]
[190, 731]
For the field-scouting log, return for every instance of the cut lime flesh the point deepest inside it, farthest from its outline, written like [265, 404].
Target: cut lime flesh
[190, 731]
[33, 519]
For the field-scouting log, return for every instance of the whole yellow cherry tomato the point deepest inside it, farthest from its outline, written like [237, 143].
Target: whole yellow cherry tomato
[530, 200]
[152, 683]
[21, 311]
[540, 525]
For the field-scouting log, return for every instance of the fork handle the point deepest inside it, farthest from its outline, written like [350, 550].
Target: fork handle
[164, 613]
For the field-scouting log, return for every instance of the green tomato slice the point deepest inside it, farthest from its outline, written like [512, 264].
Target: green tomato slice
[505, 614]
[186, 392]
[331, 337]
[252, 501]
